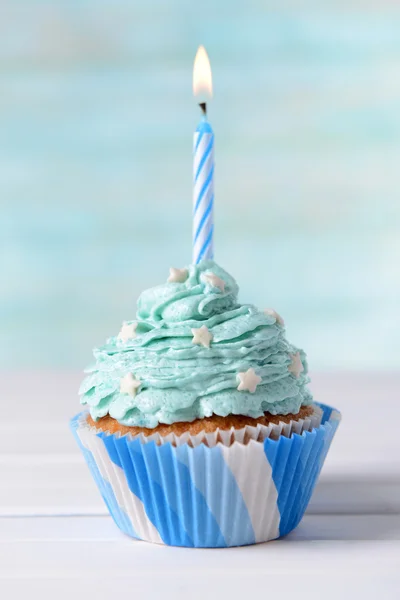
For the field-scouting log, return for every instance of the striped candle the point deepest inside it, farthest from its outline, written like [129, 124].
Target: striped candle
[203, 195]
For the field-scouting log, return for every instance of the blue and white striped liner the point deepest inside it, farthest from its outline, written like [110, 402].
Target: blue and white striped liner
[206, 497]
[203, 193]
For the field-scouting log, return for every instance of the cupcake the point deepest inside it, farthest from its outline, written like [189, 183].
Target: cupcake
[198, 427]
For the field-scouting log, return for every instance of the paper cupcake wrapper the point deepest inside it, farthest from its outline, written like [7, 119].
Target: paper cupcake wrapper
[201, 496]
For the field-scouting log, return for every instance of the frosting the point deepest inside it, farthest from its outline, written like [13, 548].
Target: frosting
[240, 361]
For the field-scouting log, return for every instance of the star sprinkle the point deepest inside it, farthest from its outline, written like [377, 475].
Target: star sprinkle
[272, 313]
[214, 281]
[202, 336]
[296, 366]
[177, 275]
[129, 385]
[128, 331]
[248, 381]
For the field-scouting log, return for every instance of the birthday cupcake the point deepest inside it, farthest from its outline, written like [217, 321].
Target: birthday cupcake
[201, 430]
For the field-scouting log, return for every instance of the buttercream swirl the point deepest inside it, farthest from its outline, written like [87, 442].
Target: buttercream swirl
[182, 381]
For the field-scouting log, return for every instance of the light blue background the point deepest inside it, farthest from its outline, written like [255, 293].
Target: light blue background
[96, 123]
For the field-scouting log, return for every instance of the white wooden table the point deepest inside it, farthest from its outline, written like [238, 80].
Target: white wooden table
[56, 540]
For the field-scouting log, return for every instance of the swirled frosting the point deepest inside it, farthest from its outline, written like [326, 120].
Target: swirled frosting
[181, 380]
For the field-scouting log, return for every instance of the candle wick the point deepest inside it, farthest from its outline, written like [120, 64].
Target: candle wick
[203, 106]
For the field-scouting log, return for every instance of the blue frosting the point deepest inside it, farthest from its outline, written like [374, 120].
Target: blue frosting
[182, 381]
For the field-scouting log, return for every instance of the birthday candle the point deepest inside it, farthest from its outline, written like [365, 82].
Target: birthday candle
[203, 166]
[203, 196]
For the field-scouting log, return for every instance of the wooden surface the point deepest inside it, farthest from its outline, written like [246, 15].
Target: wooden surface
[56, 539]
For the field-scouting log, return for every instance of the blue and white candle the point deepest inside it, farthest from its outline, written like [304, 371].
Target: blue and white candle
[203, 195]
[203, 166]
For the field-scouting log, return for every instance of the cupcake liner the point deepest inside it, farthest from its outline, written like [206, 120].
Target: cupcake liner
[215, 493]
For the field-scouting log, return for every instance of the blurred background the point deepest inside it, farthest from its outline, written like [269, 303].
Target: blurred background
[96, 125]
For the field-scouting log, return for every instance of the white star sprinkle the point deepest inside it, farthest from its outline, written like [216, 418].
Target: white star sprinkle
[129, 385]
[177, 275]
[248, 381]
[128, 331]
[214, 281]
[296, 366]
[272, 313]
[202, 336]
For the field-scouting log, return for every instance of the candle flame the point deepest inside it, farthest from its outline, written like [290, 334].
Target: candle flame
[202, 78]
